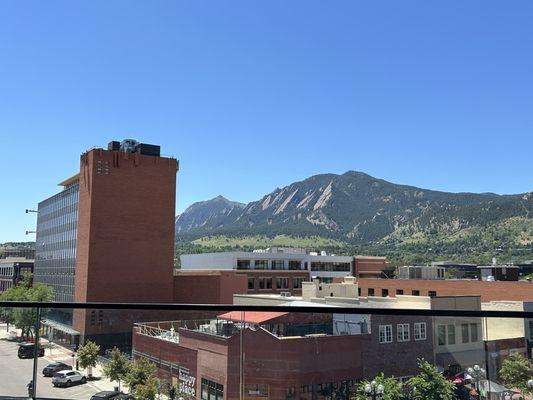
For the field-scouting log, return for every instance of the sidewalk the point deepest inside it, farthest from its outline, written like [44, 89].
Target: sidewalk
[55, 352]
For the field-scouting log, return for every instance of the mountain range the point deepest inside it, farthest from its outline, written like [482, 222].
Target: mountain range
[356, 209]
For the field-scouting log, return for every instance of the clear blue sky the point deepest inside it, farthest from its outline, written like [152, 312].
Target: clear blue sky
[252, 95]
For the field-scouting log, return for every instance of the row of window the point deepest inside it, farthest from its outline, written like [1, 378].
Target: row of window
[265, 283]
[446, 334]
[331, 266]
[403, 332]
[399, 292]
[293, 265]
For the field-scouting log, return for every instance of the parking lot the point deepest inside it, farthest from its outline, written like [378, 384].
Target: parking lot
[16, 373]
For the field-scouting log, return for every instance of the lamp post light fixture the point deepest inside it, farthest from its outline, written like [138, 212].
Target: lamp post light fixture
[530, 386]
[373, 390]
[477, 373]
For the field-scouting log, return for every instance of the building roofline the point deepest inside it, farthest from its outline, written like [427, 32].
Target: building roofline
[70, 180]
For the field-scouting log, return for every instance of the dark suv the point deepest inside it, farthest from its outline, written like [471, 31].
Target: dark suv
[26, 350]
[112, 395]
[51, 369]
[105, 395]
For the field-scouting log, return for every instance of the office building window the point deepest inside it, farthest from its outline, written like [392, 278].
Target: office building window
[420, 331]
[441, 335]
[295, 265]
[297, 283]
[243, 264]
[402, 332]
[282, 283]
[432, 293]
[415, 292]
[385, 334]
[464, 333]
[265, 283]
[212, 390]
[474, 337]
[371, 291]
[451, 334]
[530, 329]
[278, 264]
[359, 294]
[399, 292]
[261, 264]
[251, 283]
[384, 292]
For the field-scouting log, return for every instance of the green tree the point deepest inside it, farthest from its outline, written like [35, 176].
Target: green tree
[88, 356]
[147, 390]
[393, 388]
[430, 384]
[515, 371]
[140, 372]
[118, 367]
[25, 290]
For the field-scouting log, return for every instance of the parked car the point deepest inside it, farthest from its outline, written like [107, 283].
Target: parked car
[111, 395]
[26, 350]
[54, 367]
[105, 395]
[68, 378]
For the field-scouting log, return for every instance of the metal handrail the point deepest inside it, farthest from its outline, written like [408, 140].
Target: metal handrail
[322, 309]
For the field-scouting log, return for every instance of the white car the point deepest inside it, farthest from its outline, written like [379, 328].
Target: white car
[68, 378]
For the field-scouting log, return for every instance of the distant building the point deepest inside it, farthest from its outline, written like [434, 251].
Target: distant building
[458, 270]
[371, 267]
[525, 267]
[498, 290]
[18, 252]
[272, 270]
[498, 273]
[12, 270]
[420, 272]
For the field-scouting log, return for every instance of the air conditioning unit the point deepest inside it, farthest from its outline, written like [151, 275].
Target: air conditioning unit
[286, 294]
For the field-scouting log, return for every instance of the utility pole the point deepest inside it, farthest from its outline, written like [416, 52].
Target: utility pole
[36, 353]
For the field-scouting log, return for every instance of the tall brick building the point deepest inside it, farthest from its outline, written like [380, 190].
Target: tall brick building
[117, 215]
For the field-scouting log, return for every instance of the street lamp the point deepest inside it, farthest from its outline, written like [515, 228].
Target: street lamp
[373, 390]
[477, 373]
[530, 386]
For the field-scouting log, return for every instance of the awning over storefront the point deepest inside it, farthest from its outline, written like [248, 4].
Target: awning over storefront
[60, 327]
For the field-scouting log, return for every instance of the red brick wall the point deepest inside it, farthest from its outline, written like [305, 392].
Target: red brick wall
[267, 360]
[488, 291]
[371, 265]
[216, 287]
[125, 244]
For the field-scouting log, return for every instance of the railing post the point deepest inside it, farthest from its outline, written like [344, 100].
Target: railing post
[36, 353]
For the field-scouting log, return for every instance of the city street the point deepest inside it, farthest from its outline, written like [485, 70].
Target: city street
[16, 373]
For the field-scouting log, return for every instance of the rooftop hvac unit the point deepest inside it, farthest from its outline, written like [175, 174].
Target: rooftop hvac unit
[286, 294]
[113, 145]
[129, 145]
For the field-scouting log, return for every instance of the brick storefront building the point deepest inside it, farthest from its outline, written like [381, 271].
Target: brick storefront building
[284, 354]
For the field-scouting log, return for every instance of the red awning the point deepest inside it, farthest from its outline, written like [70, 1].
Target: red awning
[251, 317]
